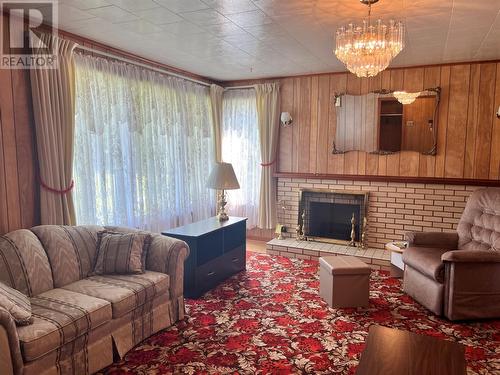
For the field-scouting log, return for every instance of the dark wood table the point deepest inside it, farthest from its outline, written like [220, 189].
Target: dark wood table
[217, 251]
[395, 352]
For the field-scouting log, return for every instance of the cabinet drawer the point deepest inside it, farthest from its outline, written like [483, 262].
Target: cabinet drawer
[209, 247]
[234, 261]
[210, 274]
[234, 236]
[217, 270]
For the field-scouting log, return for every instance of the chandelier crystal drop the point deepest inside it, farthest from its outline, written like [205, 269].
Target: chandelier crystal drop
[405, 97]
[368, 49]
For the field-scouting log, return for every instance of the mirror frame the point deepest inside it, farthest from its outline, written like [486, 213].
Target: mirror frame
[432, 151]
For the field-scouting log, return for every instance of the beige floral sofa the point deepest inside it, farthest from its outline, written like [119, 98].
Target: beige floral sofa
[80, 321]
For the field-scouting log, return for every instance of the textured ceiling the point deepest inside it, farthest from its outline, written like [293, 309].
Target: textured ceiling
[240, 39]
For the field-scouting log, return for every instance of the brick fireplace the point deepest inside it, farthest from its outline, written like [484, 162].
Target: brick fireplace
[325, 215]
[393, 207]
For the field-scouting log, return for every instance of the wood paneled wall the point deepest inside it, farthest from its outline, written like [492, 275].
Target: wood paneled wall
[18, 162]
[468, 130]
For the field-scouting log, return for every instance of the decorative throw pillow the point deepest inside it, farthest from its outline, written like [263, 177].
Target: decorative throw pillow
[17, 304]
[121, 253]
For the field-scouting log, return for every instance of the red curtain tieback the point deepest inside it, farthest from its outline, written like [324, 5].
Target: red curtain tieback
[267, 164]
[57, 191]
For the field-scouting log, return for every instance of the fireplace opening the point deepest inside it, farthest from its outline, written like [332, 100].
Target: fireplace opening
[325, 215]
[333, 220]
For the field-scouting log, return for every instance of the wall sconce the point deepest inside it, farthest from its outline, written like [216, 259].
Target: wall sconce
[286, 119]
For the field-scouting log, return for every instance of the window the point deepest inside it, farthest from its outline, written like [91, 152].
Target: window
[241, 148]
[143, 147]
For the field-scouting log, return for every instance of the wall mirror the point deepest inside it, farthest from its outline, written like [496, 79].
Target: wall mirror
[385, 122]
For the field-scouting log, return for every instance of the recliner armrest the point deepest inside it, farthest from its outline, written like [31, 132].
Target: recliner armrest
[12, 343]
[441, 240]
[471, 256]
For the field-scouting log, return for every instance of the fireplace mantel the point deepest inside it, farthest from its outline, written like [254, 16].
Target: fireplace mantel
[405, 179]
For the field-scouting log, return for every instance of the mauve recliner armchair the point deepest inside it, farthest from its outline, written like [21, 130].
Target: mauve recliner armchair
[458, 274]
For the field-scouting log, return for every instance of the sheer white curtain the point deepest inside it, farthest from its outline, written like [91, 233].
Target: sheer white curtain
[143, 147]
[241, 148]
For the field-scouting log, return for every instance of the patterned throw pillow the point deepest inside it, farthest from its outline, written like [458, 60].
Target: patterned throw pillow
[121, 253]
[17, 304]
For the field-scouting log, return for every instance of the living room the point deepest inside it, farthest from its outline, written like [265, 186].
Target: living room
[250, 186]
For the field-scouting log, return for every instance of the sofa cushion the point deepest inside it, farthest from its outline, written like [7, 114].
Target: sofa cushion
[124, 292]
[121, 253]
[59, 317]
[426, 260]
[24, 264]
[16, 303]
[71, 250]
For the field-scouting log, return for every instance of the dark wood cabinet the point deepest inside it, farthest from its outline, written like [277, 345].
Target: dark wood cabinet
[217, 251]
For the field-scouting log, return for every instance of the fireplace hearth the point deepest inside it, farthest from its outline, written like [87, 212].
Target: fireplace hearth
[325, 215]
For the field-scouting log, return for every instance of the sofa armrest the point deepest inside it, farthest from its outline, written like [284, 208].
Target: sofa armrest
[9, 345]
[442, 240]
[471, 256]
[167, 255]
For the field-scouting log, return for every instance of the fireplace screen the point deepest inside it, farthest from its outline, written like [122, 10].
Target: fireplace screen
[327, 215]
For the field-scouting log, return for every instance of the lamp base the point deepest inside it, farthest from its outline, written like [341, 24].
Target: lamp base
[222, 216]
[221, 204]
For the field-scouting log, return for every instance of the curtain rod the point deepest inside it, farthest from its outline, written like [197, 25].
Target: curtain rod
[239, 87]
[130, 61]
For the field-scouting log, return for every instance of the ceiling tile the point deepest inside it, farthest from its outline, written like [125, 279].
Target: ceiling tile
[113, 14]
[182, 5]
[183, 28]
[248, 19]
[134, 5]
[69, 14]
[224, 29]
[87, 4]
[279, 8]
[159, 16]
[142, 27]
[263, 31]
[239, 39]
[204, 17]
[231, 6]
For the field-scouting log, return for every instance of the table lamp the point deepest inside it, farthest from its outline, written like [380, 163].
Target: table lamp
[222, 178]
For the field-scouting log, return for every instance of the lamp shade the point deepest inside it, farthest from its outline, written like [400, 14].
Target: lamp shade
[222, 177]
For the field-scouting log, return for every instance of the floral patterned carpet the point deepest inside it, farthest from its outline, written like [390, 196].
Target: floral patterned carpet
[271, 320]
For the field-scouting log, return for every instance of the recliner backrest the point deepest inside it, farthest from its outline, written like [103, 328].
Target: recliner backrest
[479, 226]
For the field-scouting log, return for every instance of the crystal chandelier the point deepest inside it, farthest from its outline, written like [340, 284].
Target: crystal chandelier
[368, 49]
[405, 97]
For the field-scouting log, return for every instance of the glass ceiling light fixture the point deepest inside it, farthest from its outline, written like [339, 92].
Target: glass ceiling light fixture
[368, 49]
[405, 97]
